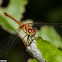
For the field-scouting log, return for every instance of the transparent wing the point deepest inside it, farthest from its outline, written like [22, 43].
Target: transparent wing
[42, 23]
[38, 25]
[6, 45]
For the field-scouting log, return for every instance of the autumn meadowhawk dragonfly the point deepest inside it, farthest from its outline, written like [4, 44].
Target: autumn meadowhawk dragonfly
[30, 32]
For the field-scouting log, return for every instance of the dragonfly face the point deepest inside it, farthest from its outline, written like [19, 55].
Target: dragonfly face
[32, 32]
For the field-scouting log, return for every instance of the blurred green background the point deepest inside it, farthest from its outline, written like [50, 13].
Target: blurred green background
[39, 11]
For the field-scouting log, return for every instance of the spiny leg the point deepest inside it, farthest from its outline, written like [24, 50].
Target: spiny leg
[32, 39]
[24, 43]
[28, 40]
[24, 36]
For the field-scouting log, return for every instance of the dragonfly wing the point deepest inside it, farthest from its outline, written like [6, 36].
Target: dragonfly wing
[14, 37]
[5, 46]
[42, 23]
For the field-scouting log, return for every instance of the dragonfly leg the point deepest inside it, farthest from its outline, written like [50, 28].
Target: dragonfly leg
[28, 40]
[24, 43]
[32, 39]
[24, 37]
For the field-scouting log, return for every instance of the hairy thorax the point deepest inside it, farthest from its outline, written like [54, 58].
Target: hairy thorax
[26, 27]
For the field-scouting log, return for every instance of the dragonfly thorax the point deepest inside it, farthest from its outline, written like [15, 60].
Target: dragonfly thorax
[28, 30]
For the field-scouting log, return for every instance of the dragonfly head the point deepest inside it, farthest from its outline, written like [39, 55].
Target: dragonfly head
[32, 32]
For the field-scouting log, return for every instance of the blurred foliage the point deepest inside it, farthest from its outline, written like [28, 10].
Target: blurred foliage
[38, 10]
[50, 34]
[49, 51]
[16, 9]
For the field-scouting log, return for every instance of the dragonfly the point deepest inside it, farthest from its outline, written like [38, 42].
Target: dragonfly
[25, 27]
[30, 32]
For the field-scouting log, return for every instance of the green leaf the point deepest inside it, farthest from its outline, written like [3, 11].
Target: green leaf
[50, 34]
[15, 8]
[49, 52]
[5, 24]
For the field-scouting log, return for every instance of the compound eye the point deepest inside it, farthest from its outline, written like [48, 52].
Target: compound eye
[33, 30]
[30, 30]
